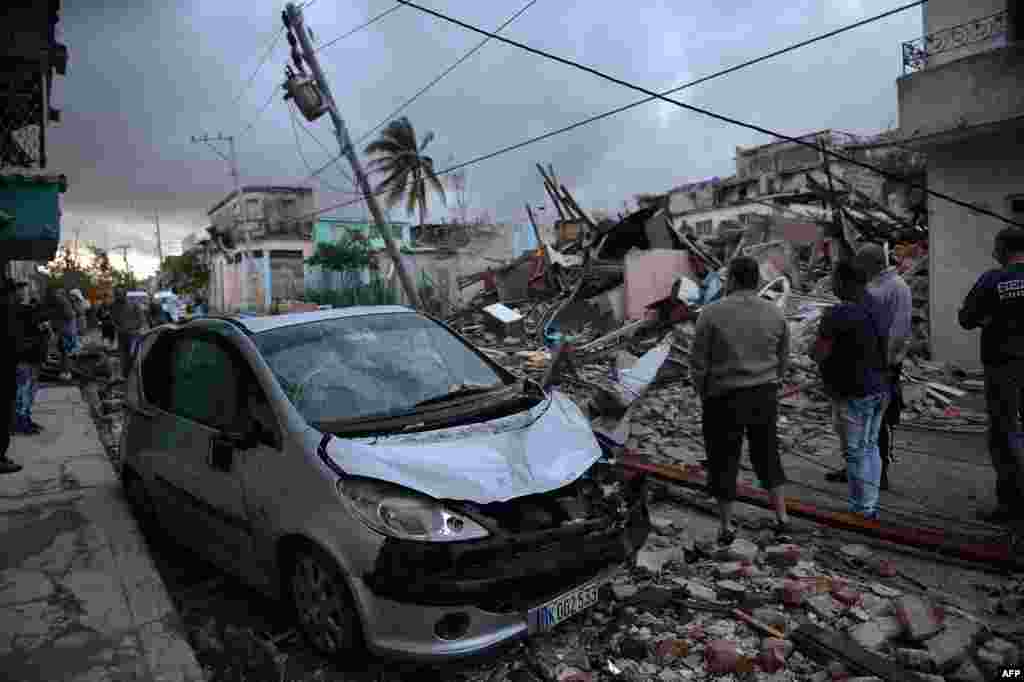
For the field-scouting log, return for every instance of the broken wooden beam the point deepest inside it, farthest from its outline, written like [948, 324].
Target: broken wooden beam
[827, 645]
[576, 207]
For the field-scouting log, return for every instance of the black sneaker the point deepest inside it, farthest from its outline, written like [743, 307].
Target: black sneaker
[37, 426]
[9, 467]
[838, 476]
[884, 483]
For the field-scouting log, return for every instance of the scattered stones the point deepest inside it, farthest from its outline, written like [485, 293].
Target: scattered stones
[967, 672]
[953, 643]
[672, 648]
[19, 586]
[662, 525]
[918, 617]
[793, 593]
[774, 653]
[729, 569]
[824, 606]
[918, 659]
[633, 648]
[859, 552]
[623, 591]
[875, 605]
[742, 550]
[885, 591]
[695, 589]
[877, 632]
[782, 555]
[655, 560]
[721, 657]
[731, 589]
[771, 617]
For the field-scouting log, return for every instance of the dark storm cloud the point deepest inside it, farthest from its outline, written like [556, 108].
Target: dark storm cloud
[142, 80]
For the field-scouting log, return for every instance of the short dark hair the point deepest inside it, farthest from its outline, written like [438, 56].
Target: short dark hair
[1011, 239]
[745, 272]
[848, 280]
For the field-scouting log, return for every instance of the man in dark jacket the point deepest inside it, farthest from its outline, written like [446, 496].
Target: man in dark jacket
[851, 351]
[996, 304]
[31, 357]
[11, 340]
[130, 320]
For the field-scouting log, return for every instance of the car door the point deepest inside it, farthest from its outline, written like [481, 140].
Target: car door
[197, 474]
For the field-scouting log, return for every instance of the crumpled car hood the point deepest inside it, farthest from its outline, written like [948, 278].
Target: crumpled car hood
[534, 451]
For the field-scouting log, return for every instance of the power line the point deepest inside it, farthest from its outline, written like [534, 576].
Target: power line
[259, 65]
[259, 113]
[302, 155]
[444, 73]
[711, 114]
[273, 91]
[358, 28]
[618, 110]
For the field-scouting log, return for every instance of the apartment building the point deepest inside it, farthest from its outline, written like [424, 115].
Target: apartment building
[961, 102]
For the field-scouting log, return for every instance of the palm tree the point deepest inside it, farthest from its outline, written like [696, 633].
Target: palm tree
[407, 172]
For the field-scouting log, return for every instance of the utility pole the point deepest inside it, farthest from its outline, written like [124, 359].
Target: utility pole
[232, 160]
[294, 23]
[159, 243]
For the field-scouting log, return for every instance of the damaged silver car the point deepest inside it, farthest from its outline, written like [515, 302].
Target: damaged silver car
[378, 473]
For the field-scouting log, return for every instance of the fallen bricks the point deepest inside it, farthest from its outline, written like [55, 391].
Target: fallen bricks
[991, 555]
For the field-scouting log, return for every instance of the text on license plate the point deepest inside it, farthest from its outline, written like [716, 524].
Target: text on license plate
[561, 608]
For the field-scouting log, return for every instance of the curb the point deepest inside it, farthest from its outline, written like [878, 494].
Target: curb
[168, 655]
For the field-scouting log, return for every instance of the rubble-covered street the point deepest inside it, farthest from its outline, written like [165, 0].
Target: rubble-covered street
[673, 615]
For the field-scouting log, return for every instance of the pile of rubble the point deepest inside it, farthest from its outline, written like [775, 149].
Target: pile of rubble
[752, 610]
[687, 610]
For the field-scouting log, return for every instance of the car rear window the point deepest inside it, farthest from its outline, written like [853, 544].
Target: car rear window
[371, 365]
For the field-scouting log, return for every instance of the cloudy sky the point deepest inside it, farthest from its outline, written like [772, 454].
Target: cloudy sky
[143, 78]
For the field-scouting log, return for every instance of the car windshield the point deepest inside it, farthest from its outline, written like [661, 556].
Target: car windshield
[370, 365]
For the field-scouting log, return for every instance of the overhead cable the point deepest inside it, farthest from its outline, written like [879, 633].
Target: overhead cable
[698, 81]
[711, 114]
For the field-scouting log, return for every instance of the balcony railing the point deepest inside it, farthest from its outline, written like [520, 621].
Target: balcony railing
[916, 52]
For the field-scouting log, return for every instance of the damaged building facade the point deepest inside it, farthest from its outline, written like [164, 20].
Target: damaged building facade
[961, 101]
[261, 236]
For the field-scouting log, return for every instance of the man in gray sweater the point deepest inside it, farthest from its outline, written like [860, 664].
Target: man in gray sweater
[739, 357]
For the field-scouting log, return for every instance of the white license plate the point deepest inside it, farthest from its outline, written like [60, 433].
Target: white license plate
[547, 616]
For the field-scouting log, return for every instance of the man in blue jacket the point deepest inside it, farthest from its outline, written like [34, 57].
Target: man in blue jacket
[996, 304]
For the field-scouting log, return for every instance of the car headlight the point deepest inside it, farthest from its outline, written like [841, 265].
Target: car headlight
[405, 514]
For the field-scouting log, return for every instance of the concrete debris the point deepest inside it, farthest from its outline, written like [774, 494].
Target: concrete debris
[876, 632]
[967, 672]
[823, 606]
[953, 643]
[918, 617]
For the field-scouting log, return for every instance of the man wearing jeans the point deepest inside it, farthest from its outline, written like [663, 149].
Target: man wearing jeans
[739, 356]
[996, 304]
[891, 303]
[851, 352]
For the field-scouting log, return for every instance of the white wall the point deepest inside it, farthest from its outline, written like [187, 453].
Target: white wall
[982, 171]
[944, 14]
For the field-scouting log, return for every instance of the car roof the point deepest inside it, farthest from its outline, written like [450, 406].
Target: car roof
[256, 325]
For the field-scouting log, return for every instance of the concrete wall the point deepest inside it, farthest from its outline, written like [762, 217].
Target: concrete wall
[940, 15]
[983, 171]
[977, 89]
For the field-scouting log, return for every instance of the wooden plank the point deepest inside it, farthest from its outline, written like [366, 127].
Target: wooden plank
[943, 388]
[829, 645]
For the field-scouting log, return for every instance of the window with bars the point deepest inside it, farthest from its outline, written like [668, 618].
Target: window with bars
[703, 227]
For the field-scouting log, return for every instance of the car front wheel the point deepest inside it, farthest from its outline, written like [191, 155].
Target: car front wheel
[322, 602]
